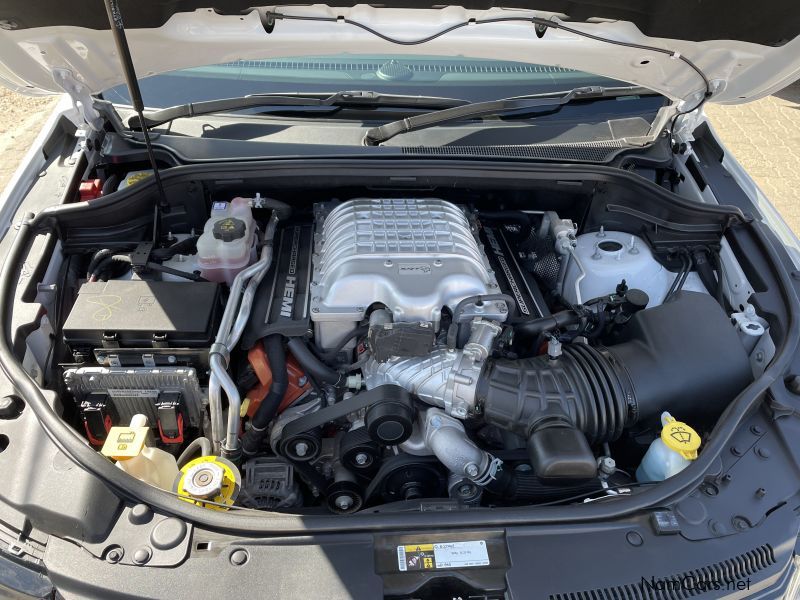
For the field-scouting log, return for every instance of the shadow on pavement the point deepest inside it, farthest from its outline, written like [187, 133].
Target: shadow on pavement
[790, 93]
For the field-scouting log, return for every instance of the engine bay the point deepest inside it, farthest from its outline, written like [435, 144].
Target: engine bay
[341, 352]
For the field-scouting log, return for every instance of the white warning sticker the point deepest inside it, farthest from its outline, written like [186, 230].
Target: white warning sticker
[448, 555]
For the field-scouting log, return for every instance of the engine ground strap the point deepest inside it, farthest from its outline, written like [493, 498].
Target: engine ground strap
[343, 408]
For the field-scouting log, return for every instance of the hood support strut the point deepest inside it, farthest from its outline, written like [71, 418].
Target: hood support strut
[121, 42]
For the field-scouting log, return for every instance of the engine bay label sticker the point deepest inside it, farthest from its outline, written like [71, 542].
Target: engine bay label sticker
[448, 555]
[116, 393]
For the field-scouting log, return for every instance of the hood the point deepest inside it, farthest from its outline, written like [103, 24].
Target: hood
[745, 52]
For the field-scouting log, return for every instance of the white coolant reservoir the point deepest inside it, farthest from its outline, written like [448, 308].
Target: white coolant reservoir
[671, 453]
[226, 245]
[128, 446]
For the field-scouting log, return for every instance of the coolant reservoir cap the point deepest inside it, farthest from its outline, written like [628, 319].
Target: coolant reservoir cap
[229, 229]
[209, 481]
[678, 436]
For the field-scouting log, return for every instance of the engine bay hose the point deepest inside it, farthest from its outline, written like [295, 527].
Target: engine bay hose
[266, 411]
[313, 365]
[535, 327]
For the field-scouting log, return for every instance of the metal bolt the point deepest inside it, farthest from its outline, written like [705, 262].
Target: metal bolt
[608, 465]
[761, 492]
[763, 452]
[387, 263]
[344, 502]
[436, 422]
[471, 469]
[315, 310]
[756, 430]
[301, 449]
[437, 263]
[465, 491]
[736, 451]
[361, 458]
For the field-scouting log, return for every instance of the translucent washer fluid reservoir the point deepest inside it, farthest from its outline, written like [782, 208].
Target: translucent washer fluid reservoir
[671, 453]
[128, 446]
[226, 245]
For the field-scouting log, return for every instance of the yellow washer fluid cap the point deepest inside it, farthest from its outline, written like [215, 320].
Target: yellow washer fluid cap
[678, 436]
[134, 177]
[124, 443]
[209, 481]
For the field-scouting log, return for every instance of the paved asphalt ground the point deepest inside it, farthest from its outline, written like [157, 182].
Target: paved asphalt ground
[764, 136]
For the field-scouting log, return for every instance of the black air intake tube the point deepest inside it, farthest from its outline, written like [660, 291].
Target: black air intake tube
[683, 356]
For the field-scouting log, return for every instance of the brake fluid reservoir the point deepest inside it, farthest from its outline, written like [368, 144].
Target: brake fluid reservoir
[671, 453]
[226, 245]
[128, 446]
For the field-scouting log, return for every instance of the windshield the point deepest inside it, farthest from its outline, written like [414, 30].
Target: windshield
[470, 79]
[437, 79]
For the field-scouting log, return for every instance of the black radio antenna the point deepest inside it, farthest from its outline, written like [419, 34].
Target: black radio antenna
[124, 51]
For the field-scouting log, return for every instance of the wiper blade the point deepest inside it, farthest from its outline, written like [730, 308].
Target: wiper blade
[337, 100]
[377, 135]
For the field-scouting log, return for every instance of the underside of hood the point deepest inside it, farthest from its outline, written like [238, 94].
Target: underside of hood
[744, 52]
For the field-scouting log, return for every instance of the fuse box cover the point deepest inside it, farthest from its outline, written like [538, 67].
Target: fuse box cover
[143, 314]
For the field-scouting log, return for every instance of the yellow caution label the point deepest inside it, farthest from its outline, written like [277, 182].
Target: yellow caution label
[123, 443]
[445, 555]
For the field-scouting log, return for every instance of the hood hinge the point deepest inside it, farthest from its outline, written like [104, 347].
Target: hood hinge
[81, 98]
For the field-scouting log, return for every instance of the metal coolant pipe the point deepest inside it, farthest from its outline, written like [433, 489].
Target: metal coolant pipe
[234, 319]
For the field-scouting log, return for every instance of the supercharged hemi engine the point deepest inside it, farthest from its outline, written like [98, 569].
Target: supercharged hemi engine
[344, 355]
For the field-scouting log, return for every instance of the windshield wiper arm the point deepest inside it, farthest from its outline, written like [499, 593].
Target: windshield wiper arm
[377, 135]
[347, 99]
